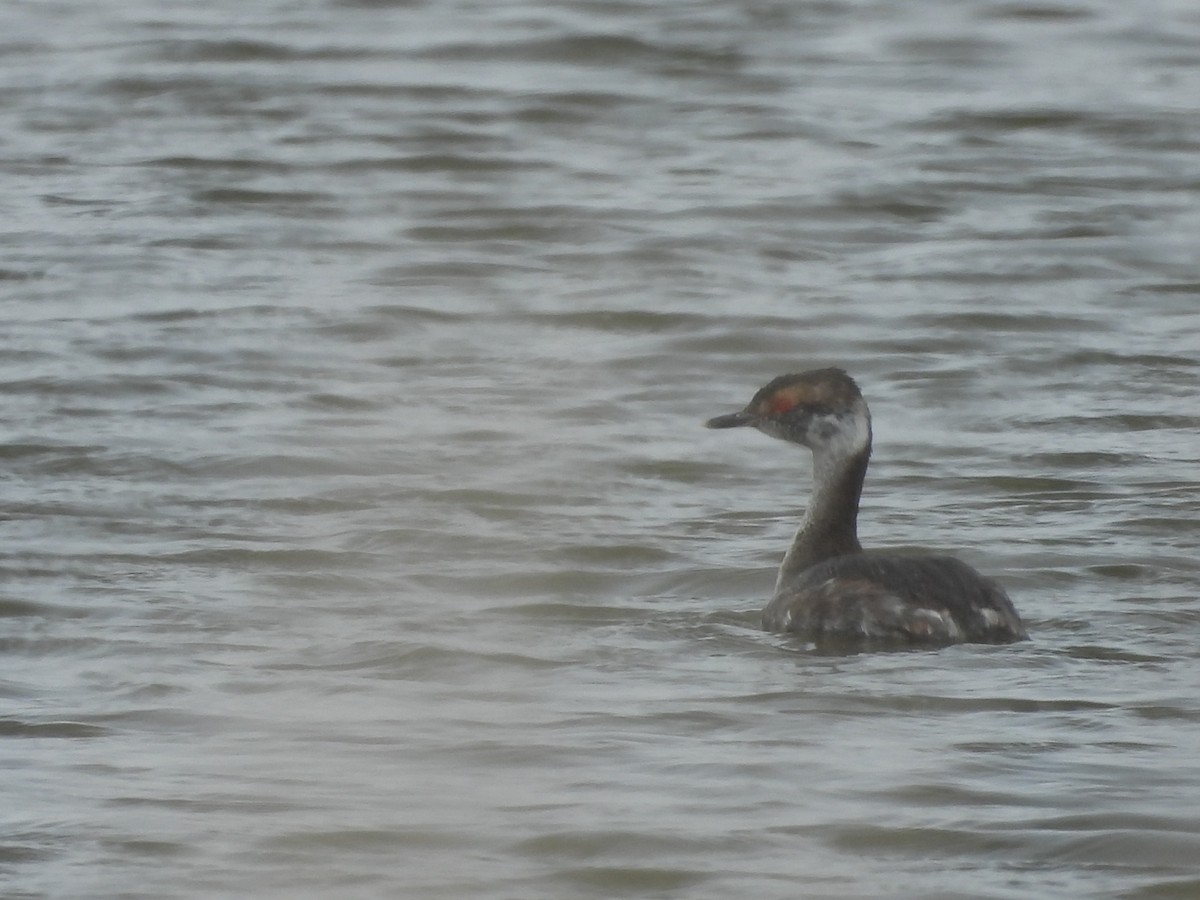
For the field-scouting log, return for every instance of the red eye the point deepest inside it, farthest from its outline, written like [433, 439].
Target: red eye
[781, 403]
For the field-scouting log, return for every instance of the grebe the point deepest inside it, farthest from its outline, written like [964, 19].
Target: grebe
[828, 589]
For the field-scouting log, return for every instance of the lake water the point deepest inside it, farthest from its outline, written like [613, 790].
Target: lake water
[361, 537]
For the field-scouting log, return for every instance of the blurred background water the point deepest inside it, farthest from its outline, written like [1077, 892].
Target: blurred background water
[360, 534]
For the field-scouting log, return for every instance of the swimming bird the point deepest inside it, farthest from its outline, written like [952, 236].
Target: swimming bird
[828, 589]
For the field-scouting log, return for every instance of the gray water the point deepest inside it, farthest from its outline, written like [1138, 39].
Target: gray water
[361, 537]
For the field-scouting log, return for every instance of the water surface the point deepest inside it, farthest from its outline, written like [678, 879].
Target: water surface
[361, 534]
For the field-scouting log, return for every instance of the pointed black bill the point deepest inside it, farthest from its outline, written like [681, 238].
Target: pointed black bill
[731, 420]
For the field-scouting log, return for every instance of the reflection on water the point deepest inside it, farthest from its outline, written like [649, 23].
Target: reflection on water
[361, 531]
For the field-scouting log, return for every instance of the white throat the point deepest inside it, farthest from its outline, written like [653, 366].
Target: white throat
[837, 440]
[841, 447]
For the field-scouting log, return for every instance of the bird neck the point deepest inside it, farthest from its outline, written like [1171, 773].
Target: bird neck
[830, 525]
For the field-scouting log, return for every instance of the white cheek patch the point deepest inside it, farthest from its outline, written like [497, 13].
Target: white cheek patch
[841, 435]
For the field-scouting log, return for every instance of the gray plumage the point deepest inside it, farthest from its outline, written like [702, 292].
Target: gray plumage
[894, 599]
[828, 589]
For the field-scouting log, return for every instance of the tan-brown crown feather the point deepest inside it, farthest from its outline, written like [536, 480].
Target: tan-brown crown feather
[829, 389]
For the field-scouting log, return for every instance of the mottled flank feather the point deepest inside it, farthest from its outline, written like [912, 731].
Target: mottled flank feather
[894, 599]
